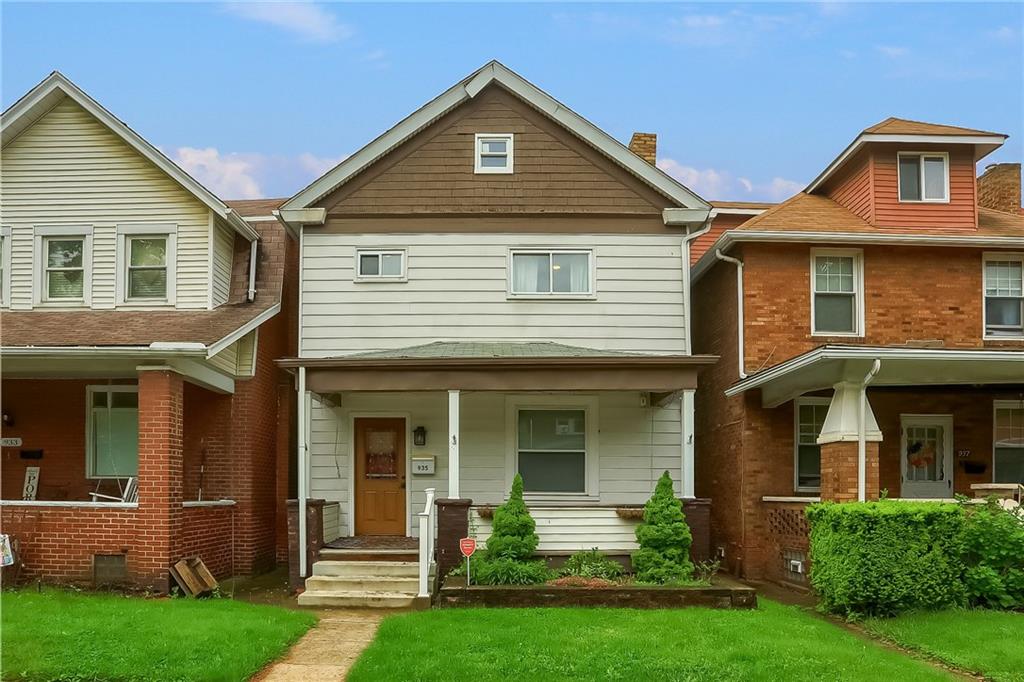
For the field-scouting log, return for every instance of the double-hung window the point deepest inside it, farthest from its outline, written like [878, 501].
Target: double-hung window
[1004, 296]
[551, 273]
[494, 153]
[808, 419]
[836, 292]
[380, 265]
[551, 450]
[147, 268]
[1008, 458]
[64, 268]
[113, 431]
[923, 177]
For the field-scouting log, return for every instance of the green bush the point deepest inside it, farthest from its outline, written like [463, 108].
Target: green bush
[503, 571]
[886, 557]
[512, 530]
[993, 546]
[592, 564]
[664, 539]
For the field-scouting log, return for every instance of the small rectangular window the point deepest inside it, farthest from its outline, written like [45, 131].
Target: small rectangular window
[113, 438]
[923, 177]
[552, 450]
[64, 269]
[373, 265]
[809, 418]
[147, 268]
[494, 153]
[545, 273]
[1004, 297]
[1009, 442]
[835, 288]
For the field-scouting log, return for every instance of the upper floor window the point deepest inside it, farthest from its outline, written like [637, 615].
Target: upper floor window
[923, 177]
[380, 265]
[1008, 458]
[808, 420]
[836, 292]
[1004, 296]
[146, 258]
[64, 276]
[494, 153]
[551, 273]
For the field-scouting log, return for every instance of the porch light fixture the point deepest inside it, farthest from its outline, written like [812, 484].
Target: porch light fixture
[419, 436]
[8, 418]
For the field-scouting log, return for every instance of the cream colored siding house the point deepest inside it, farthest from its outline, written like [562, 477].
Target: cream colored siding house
[494, 286]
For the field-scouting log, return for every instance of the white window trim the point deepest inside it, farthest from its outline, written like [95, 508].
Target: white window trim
[858, 289]
[170, 232]
[922, 200]
[796, 441]
[590, 294]
[90, 468]
[41, 234]
[5, 263]
[587, 403]
[478, 152]
[997, 405]
[985, 258]
[402, 277]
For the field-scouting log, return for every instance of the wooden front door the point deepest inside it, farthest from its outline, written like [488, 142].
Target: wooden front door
[380, 475]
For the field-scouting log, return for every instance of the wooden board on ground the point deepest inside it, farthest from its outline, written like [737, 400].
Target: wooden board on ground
[193, 577]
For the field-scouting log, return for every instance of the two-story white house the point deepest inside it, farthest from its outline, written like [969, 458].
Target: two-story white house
[494, 286]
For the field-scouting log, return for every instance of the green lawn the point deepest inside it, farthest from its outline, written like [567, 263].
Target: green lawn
[774, 642]
[71, 636]
[990, 643]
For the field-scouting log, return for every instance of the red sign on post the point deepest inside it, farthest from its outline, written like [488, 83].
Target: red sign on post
[468, 546]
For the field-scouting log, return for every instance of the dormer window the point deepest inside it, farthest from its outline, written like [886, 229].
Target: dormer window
[923, 177]
[494, 153]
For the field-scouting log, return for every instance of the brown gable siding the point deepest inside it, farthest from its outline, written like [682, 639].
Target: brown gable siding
[852, 187]
[554, 171]
[960, 212]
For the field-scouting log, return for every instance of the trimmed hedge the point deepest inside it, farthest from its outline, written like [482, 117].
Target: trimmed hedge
[886, 557]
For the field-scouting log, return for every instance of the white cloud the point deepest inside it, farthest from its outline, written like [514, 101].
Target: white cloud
[848, 54]
[1003, 33]
[229, 176]
[723, 185]
[308, 21]
[318, 165]
[701, 21]
[893, 51]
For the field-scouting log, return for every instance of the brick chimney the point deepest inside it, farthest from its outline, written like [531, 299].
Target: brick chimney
[999, 187]
[645, 145]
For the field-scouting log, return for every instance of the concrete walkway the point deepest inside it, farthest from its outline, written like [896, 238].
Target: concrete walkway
[329, 650]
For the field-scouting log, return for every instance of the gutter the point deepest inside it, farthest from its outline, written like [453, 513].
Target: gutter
[741, 360]
[155, 349]
[862, 447]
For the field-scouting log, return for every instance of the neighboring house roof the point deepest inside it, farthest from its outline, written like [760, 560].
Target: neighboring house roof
[215, 328]
[55, 87]
[250, 208]
[903, 126]
[495, 73]
[492, 349]
[759, 205]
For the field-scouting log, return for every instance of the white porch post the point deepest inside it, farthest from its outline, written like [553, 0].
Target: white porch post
[686, 406]
[302, 465]
[453, 444]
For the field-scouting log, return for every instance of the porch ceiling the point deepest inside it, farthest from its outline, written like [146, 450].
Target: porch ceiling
[826, 366]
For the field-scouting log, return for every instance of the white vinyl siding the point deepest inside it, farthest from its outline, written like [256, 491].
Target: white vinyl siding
[635, 445]
[68, 168]
[227, 359]
[458, 288]
[223, 254]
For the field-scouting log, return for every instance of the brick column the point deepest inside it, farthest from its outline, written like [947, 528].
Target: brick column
[839, 471]
[452, 526]
[160, 474]
[698, 518]
[314, 539]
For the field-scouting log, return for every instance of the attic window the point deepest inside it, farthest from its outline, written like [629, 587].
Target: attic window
[923, 177]
[493, 153]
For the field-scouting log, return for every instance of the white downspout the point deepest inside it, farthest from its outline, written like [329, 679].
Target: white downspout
[253, 246]
[862, 428]
[301, 452]
[688, 342]
[739, 307]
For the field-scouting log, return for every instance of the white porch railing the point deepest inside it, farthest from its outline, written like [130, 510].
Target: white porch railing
[427, 522]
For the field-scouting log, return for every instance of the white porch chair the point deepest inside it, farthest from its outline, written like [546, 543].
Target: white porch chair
[130, 493]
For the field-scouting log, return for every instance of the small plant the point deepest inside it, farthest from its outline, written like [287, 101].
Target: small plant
[994, 555]
[664, 538]
[705, 571]
[591, 564]
[512, 531]
[510, 572]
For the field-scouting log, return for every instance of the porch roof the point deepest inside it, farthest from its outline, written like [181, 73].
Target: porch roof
[497, 366]
[828, 365]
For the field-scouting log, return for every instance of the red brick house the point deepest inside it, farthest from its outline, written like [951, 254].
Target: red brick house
[894, 279]
[140, 319]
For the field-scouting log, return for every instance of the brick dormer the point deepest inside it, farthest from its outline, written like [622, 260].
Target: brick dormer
[911, 175]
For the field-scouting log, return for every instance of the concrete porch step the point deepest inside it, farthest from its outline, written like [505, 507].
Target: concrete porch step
[375, 555]
[333, 567]
[357, 599]
[364, 583]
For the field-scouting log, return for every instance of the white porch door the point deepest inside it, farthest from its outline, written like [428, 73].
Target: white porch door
[926, 455]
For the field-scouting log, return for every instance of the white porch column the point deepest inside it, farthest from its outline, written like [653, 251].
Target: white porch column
[301, 418]
[453, 444]
[686, 423]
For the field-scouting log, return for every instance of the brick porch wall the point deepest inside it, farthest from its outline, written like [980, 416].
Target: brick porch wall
[787, 533]
[207, 533]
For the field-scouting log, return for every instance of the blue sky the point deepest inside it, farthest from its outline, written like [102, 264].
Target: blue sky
[750, 101]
